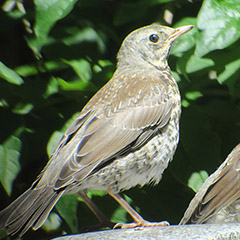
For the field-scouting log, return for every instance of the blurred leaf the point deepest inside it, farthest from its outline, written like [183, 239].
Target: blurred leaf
[53, 141]
[67, 208]
[26, 70]
[56, 135]
[197, 179]
[182, 63]
[85, 34]
[9, 162]
[193, 95]
[52, 223]
[9, 75]
[74, 85]
[52, 87]
[82, 68]
[120, 214]
[48, 12]
[219, 22]
[8, 5]
[195, 64]
[21, 108]
[96, 193]
[230, 69]
[186, 41]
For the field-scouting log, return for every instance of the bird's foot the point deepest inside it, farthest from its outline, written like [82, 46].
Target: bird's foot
[140, 224]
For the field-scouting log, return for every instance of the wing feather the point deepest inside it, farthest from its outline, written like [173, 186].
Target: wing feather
[105, 129]
[220, 190]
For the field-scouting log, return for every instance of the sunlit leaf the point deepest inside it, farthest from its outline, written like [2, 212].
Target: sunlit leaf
[9, 162]
[21, 108]
[186, 41]
[9, 75]
[195, 64]
[52, 223]
[82, 68]
[52, 87]
[48, 12]
[230, 69]
[67, 208]
[193, 95]
[197, 179]
[53, 141]
[219, 24]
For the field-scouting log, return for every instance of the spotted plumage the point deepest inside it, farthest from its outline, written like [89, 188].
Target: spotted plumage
[124, 136]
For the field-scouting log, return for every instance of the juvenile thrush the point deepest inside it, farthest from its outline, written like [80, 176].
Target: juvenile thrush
[218, 200]
[124, 136]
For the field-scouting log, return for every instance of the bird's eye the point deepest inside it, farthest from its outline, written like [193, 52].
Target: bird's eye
[154, 38]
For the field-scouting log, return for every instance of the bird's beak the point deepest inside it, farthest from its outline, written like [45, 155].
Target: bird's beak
[179, 32]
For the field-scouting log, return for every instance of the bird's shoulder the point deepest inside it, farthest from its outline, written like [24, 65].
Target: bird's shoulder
[132, 89]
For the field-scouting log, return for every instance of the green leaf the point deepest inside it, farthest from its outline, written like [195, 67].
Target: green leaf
[85, 34]
[9, 162]
[48, 12]
[53, 141]
[56, 135]
[193, 95]
[219, 22]
[182, 63]
[197, 179]
[195, 64]
[22, 109]
[120, 214]
[100, 193]
[230, 69]
[52, 87]
[186, 41]
[9, 75]
[52, 223]
[73, 86]
[67, 208]
[82, 68]
[26, 70]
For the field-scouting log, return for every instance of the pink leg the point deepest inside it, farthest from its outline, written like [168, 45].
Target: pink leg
[138, 220]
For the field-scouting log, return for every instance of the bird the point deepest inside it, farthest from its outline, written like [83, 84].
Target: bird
[218, 200]
[125, 136]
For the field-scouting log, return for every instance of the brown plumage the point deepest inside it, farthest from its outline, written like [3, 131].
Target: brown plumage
[125, 135]
[218, 199]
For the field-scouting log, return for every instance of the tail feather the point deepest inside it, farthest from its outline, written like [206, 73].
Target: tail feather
[42, 218]
[31, 209]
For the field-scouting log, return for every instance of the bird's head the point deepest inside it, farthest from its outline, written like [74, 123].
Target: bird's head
[149, 44]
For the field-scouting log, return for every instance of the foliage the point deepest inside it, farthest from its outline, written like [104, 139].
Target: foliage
[56, 54]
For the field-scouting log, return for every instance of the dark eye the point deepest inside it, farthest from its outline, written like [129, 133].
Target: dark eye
[154, 38]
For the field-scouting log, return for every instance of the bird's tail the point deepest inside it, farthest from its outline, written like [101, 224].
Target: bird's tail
[31, 209]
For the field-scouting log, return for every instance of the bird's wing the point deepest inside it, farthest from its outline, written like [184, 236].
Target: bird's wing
[105, 129]
[218, 191]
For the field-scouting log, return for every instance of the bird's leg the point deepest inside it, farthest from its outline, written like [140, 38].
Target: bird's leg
[97, 212]
[138, 220]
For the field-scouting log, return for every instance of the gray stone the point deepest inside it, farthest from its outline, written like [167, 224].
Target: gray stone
[225, 231]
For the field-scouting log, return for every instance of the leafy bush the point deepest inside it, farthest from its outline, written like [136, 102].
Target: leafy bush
[56, 54]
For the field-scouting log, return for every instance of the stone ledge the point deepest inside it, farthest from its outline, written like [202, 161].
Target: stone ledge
[183, 232]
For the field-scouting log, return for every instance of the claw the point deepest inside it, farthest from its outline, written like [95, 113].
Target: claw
[140, 224]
